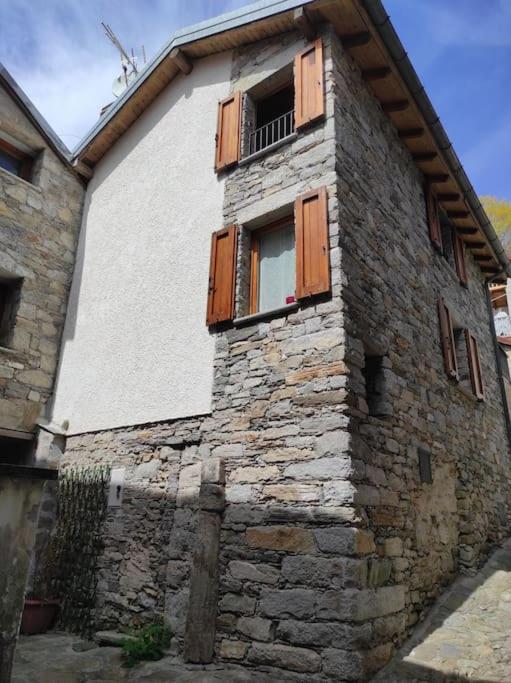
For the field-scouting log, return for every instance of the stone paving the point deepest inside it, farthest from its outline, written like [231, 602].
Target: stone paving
[52, 658]
[466, 636]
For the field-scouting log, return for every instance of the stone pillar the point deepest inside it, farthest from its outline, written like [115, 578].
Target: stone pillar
[202, 608]
[20, 495]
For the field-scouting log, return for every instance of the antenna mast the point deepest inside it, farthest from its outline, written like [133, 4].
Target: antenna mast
[126, 60]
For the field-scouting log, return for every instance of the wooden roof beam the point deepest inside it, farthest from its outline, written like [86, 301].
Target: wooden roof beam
[482, 257]
[376, 74]
[395, 105]
[424, 156]
[437, 177]
[458, 214]
[449, 197]
[304, 24]
[356, 39]
[410, 133]
[182, 62]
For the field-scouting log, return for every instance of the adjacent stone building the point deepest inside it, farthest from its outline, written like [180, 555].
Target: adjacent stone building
[41, 199]
[294, 481]
[40, 212]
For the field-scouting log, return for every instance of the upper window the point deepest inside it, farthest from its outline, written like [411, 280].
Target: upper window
[269, 112]
[445, 237]
[274, 119]
[9, 299]
[273, 269]
[15, 161]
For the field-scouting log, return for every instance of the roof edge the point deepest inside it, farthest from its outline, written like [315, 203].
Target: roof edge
[34, 115]
[387, 33]
[219, 24]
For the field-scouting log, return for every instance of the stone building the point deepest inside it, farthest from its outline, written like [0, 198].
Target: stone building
[41, 199]
[306, 449]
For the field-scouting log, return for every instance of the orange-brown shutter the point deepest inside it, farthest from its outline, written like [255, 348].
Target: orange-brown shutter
[222, 275]
[459, 258]
[447, 336]
[228, 131]
[312, 252]
[474, 365]
[435, 233]
[309, 100]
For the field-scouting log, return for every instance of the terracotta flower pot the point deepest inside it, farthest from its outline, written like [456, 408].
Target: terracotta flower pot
[38, 616]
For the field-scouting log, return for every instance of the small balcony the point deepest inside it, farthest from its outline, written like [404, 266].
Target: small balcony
[272, 132]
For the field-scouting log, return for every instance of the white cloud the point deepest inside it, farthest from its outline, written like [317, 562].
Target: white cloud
[57, 52]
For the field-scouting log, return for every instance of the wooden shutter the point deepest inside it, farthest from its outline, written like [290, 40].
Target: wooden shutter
[309, 100]
[474, 365]
[228, 131]
[447, 336]
[312, 252]
[459, 258]
[222, 275]
[435, 233]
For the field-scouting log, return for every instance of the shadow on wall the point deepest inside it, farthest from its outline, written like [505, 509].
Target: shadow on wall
[301, 588]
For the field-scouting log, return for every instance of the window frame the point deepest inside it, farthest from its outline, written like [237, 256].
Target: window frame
[255, 255]
[27, 161]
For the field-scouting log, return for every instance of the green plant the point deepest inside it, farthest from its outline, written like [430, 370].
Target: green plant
[147, 643]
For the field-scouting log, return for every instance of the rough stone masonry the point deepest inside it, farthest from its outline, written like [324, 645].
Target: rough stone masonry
[330, 546]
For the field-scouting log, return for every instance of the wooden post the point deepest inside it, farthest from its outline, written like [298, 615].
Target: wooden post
[203, 602]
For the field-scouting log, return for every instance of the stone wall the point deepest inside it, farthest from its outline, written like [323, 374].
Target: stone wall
[39, 224]
[330, 546]
[394, 278]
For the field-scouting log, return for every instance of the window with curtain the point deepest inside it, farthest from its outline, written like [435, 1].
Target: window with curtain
[273, 276]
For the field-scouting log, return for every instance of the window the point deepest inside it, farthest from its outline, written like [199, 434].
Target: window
[9, 299]
[273, 119]
[255, 120]
[273, 266]
[16, 450]
[285, 261]
[15, 161]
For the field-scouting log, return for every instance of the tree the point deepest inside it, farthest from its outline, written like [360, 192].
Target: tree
[499, 212]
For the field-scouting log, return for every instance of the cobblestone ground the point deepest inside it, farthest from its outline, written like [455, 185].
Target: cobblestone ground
[467, 635]
[50, 658]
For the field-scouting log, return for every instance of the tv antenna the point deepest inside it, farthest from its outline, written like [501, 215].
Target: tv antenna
[129, 63]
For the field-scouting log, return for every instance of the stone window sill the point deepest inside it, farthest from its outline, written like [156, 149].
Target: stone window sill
[13, 176]
[267, 150]
[273, 313]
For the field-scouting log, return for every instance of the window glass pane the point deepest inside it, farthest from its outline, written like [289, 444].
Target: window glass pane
[9, 163]
[276, 267]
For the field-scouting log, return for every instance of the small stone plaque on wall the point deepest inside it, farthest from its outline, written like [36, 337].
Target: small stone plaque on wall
[116, 489]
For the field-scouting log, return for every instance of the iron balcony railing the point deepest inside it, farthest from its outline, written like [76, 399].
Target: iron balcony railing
[272, 132]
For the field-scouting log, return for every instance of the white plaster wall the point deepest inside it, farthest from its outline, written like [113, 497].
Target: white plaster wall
[136, 348]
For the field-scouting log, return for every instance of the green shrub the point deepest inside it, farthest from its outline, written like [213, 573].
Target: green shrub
[146, 644]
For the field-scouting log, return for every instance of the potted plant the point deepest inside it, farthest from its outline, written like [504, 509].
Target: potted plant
[41, 604]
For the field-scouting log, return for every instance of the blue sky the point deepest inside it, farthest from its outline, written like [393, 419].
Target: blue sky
[461, 50]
